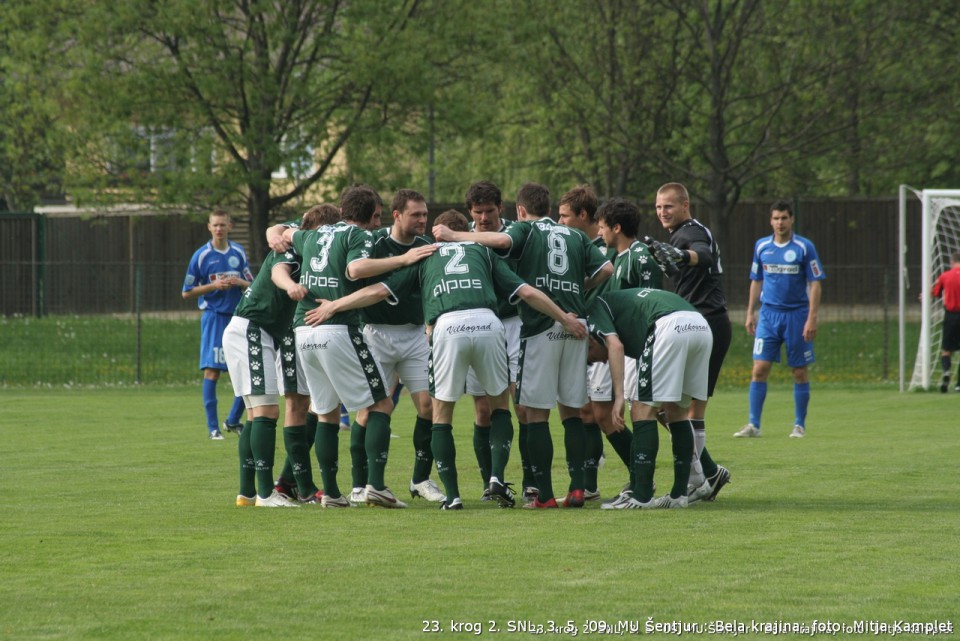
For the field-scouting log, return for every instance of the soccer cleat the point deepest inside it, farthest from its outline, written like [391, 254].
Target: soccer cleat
[591, 495]
[698, 493]
[717, 481]
[382, 498]
[625, 495]
[275, 500]
[799, 431]
[666, 502]
[501, 493]
[428, 490]
[530, 493]
[215, 435]
[329, 501]
[486, 496]
[235, 428]
[574, 499]
[944, 383]
[286, 490]
[535, 504]
[246, 501]
[747, 431]
[454, 504]
[358, 496]
[313, 499]
[632, 504]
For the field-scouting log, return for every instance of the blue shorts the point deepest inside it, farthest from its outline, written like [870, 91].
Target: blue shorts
[778, 327]
[212, 325]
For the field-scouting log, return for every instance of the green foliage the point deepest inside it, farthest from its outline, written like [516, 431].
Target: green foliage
[136, 535]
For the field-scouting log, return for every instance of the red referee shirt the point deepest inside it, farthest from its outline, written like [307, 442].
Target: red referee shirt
[949, 286]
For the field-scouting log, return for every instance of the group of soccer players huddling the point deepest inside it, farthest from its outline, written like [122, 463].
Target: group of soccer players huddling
[567, 314]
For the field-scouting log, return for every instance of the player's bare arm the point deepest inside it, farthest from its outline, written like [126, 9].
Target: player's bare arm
[361, 298]
[492, 239]
[615, 360]
[370, 267]
[280, 275]
[753, 306]
[276, 240]
[810, 327]
[542, 303]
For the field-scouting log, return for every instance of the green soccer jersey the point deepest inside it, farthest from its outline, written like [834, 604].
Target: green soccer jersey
[326, 253]
[266, 304]
[457, 276]
[634, 267]
[555, 259]
[411, 311]
[610, 254]
[504, 309]
[631, 314]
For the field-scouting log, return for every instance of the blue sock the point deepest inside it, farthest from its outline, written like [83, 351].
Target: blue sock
[396, 392]
[801, 398]
[210, 402]
[758, 394]
[235, 411]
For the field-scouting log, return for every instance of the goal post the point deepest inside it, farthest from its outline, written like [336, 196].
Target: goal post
[940, 237]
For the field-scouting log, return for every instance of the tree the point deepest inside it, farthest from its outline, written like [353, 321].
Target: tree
[192, 103]
[31, 154]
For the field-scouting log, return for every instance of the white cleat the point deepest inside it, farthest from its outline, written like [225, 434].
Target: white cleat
[798, 431]
[358, 496]
[275, 500]
[699, 493]
[427, 490]
[666, 502]
[340, 501]
[382, 498]
[747, 431]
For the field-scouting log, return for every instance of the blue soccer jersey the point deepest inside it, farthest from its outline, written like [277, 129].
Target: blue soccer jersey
[209, 264]
[785, 270]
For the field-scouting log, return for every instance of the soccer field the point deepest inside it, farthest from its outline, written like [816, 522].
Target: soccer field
[118, 522]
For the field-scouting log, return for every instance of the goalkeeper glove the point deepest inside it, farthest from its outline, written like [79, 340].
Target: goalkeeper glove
[667, 254]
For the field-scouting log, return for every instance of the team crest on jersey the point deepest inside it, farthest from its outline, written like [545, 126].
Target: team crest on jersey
[233, 262]
[790, 256]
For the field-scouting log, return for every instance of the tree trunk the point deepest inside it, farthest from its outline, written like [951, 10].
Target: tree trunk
[258, 209]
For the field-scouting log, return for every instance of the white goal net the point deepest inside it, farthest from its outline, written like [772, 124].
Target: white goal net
[940, 237]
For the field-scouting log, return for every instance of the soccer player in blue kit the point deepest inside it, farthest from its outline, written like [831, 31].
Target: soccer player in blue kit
[785, 278]
[217, 276]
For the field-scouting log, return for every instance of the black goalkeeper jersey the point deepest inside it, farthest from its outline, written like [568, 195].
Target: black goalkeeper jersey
[699, 284]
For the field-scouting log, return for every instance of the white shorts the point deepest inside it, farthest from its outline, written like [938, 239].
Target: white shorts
[339, 368]
[251, 357]
[676, 368]
[551, 370]
[401, 350]
[600, 385]
[293, 380]
[512, 328]
[467, 339]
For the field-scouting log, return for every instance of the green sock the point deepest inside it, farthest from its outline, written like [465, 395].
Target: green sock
[248, 474]
[528, 478]
[263, 444]
[681, 434]
[591, 455]
[481, 447]
[358, 455]
[328, 456]
[540, 446]
[575, 443]
[445, 454]
[646, 444]
[423, 455]
[377, 444]
[622, 442]
[699, 438]
[501, 438]
[298, 459]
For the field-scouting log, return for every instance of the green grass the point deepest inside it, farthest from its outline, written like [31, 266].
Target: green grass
[118, 523]
[102, 350]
